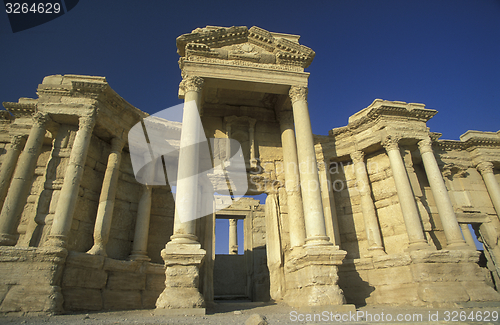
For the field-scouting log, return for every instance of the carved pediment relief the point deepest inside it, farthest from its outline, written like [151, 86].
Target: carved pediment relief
[237, 44]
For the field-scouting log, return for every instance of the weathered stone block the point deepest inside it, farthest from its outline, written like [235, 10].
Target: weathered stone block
[126, 281]
[439, 272]
[122, 299]
[445, 292]
[84, 277]
[393, 275]
[396, 294]
[33, 298]
[149, 298]
[155, 282]
[84, 260]
[82, 299]
[479, 291]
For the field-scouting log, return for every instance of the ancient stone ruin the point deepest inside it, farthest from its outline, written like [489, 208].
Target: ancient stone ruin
[375, 213]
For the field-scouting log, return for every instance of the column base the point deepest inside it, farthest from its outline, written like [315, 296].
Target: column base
[182, 262]
[318, 241]
[460, 245]
[56, 241]
[7, 240]
[417, 246]
[375, 251]
[184, 239]
[139, 256]
[98, 249]
[312, 276]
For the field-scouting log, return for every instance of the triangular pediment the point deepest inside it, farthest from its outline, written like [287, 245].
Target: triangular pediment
[242, 44]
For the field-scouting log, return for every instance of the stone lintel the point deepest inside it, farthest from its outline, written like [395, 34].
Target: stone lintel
[444, 256]
[182, 254]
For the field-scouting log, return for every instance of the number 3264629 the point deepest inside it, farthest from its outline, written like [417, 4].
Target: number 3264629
[36, 8]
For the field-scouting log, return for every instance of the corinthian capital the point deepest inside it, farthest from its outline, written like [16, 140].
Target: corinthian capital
[192, 84]
[16, 142]
[86, 121]
[485, 167]
[357, 156]
[117, 144]
[41, 118]
[298, 93]
[425, 146]
[391, 143]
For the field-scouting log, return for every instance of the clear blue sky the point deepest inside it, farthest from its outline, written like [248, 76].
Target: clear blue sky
[442, 53]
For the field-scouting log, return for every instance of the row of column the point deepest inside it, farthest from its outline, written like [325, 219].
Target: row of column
[416, 236]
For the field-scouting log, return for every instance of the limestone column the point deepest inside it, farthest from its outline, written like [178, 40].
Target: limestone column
[409, 209]
[468, 236]
[251, 131]
[9, 164]
[292, 180]
[228, 143]
[309, 179]
[233, 236]
[65, 208]
[140, 247]
[21, 181]
[486, 170]
[187, 182]
[330, 211]
[448, 218]
[183, 255]
[372, 228]
[107, 199]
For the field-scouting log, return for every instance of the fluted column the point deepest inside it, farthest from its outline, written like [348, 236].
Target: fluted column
[65, 208]
[409, 209]
[309, 179]
[140, 247]
[486, 170]
[448, 218]
[107, 199]
[367, 207]
[233, 236]
[187, 180]
[21, 181]
[9, 164]
[292, 181]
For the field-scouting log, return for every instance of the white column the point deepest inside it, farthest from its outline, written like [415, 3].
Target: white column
[292, 180]
[21, 181]
[65, 208]
[187, 184]
[372, 229]
[233, 236]
[9, 164]
[107, 199]
[486, 170]
[448, 218]
[309, 179]
[409, 209]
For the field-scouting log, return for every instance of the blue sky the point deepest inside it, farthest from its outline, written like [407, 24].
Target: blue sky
[442, 53]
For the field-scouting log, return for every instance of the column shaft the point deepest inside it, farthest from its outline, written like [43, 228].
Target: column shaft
[448, 218]
[140, 247]
[367, 207]
[309, 179]
[21, 181]
[9, 164]
[107, 199]
[233, 236]
[329, 209]
[186, 202]
[486, 170]
[468, 236]
[65, 208]
[292, 180]
[409, 209]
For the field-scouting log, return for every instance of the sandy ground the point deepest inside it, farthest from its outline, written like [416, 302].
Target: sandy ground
[238, 313]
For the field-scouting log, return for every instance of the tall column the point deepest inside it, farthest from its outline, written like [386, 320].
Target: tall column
[486, 170]
[448, 218]
[228, 143]
[233, 236]
[140, 247]
[251, 131]
[329, 209]
[309, 179]
[107, 199]
[292, 181]
[367, 207]
[65, 208]
[409, 209]
[187, 180]
[21, 181]
[9, 164]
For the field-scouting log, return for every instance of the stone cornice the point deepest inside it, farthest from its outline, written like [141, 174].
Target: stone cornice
[20, 109]
[385, 109]
[5, 115]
